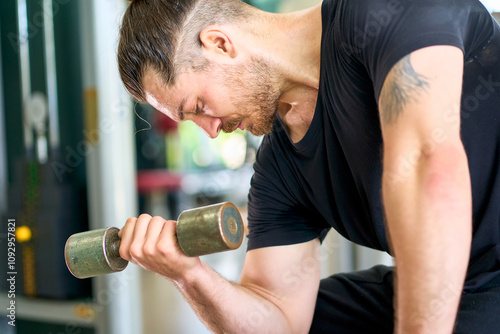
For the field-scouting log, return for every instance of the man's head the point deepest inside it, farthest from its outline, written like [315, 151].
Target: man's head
[165, 58]
[163, 36]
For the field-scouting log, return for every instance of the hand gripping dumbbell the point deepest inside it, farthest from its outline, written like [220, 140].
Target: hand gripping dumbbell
[200, 231]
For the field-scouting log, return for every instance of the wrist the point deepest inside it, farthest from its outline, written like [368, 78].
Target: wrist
[437, 316]
[192, 275]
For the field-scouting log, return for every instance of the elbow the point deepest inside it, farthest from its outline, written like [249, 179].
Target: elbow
[444, 165]
[436, 166]
[438, 178]
[445, 173]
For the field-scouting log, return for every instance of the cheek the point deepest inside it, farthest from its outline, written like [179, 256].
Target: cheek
[218, 102]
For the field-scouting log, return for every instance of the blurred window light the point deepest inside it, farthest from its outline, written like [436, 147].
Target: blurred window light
[202, 156]
[234, 150]
[492, 5]
[228, 150]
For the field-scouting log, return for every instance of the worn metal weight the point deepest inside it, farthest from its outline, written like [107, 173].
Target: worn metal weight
[201, 231]
[209, 229]
[94, 253]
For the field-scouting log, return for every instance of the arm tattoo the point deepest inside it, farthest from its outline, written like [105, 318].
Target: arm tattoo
[403, 85]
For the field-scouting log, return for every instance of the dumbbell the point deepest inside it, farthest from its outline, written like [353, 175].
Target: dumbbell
[201, 231]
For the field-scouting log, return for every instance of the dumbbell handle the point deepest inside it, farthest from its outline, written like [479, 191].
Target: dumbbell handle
[200, 231]
[115, 248]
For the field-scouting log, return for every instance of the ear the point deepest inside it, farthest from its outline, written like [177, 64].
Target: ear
[216, 40]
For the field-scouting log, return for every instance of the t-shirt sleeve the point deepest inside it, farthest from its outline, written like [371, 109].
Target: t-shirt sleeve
[382, 32]
[276, 216]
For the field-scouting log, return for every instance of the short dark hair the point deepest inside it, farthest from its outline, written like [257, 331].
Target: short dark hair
[163, 36]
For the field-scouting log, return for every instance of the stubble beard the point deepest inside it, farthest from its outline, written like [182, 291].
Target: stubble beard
[255, 95]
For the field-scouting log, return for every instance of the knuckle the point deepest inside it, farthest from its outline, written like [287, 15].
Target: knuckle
[158, 219]
[148, 250]
[131, 220]
[163, 248]
[129, 224]
[135, 251]
[145, 216]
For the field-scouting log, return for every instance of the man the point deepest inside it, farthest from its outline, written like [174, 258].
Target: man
[382, 120]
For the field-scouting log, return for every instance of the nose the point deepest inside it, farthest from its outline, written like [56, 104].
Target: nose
[210, 125]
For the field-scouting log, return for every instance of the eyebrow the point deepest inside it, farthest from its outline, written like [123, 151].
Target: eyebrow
[180, 110]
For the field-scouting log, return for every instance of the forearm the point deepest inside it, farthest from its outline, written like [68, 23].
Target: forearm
[226, 307]
[265, 301]
[429, 221]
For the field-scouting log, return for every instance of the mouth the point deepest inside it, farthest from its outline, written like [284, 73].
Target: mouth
[232, 125]
[238, 126]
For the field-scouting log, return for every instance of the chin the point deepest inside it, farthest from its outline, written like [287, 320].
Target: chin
[260, 131]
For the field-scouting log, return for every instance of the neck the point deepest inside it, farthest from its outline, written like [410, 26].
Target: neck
[293, 51]
[292, 48]
[297, 48]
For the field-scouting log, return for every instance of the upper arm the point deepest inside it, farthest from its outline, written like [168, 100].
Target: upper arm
[288, 276]
[419, 104]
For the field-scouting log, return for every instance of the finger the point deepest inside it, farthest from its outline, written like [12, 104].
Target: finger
[137, 243]
[129, 222]
[152, 235]
[167, 240]
[126, 234]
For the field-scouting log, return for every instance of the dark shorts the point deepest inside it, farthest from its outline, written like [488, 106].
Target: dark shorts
[362, 302]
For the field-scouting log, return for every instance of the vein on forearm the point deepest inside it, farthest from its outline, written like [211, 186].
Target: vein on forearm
[402, 85]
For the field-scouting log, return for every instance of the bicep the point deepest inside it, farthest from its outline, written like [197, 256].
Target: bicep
[288, 276]
[419, 103]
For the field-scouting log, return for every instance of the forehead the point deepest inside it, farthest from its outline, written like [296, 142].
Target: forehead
[156, 92]
[166, 99]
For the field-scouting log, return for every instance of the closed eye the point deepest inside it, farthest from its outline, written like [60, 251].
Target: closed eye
[198, 110]
[180, 116]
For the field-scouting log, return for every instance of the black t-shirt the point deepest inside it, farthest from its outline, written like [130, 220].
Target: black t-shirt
[332, 177]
